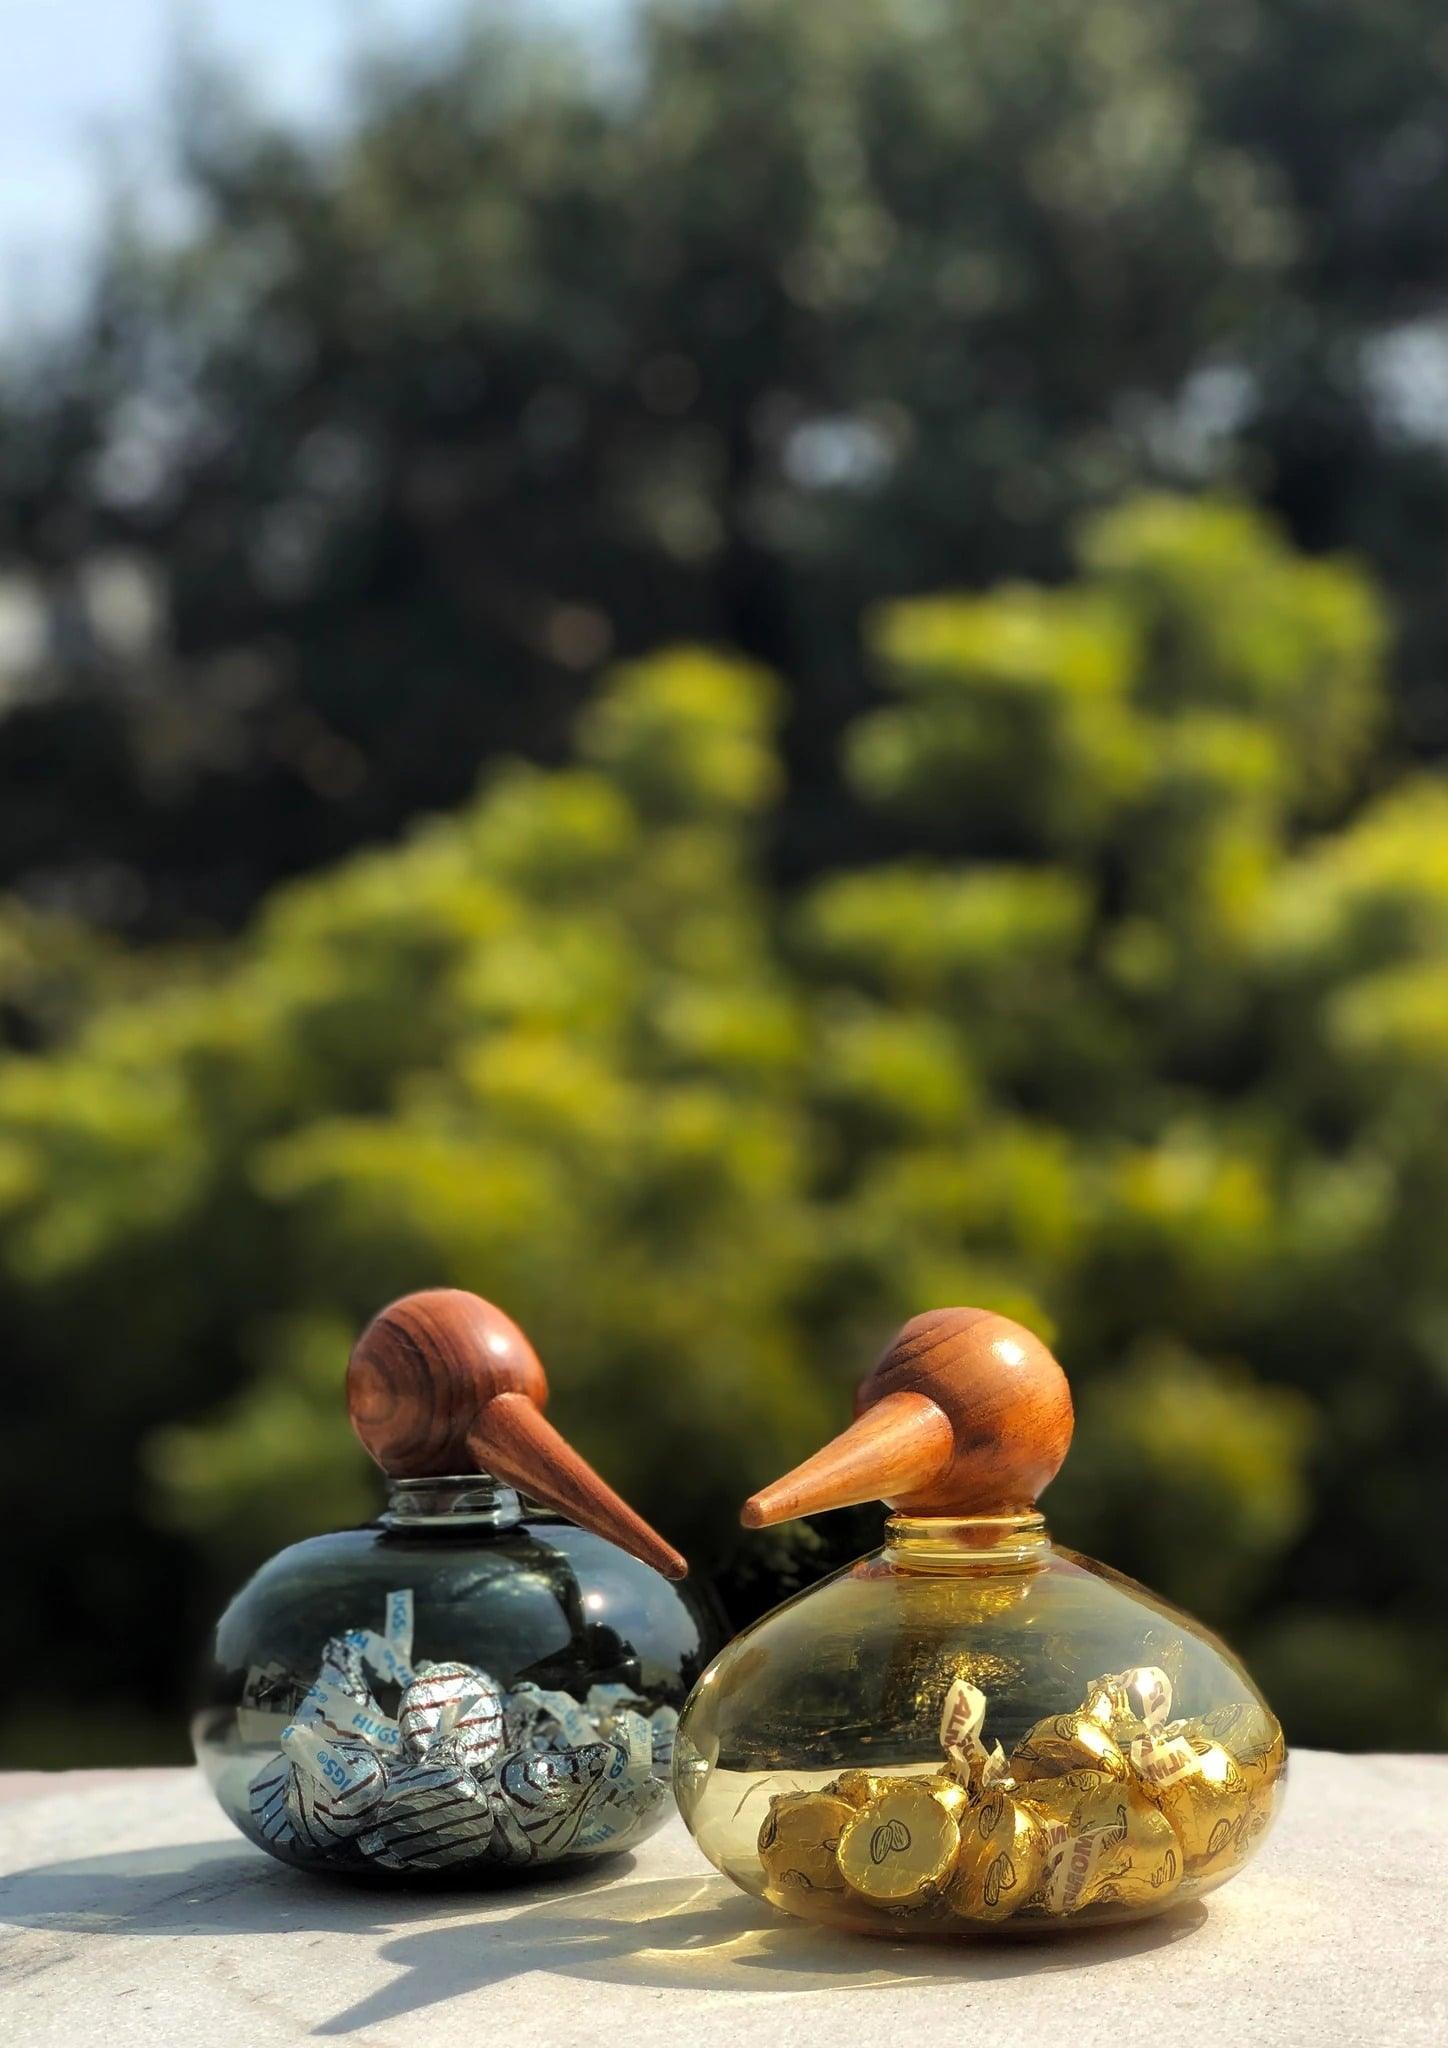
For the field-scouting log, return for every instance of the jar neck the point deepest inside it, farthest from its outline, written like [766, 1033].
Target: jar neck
[967, 1543]
[457, 1500]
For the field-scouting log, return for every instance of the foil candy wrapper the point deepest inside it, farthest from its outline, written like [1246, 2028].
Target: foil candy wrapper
[456, 1704]
[899, 1849]
[799, 1841]
[434, 1815]
[333, 1788]
[267, 1803]
[1144, 1866]
[856, 1788]
[348, 1717]
[1215, 1798]
[1214, 1780]
[1112, 1804]
[541, 1799]
[1249, 1732]
[464, 1773]
[547, 1720]
[342, 1669]
[631, 1792]
[1105, 1841]
[1063, 1744]
[1250, 1735]
[1003, 1850]
[1104, 1824]
[1207, 1805]
[1130, 1703]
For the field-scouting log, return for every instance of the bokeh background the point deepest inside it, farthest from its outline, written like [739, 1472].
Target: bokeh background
[726, 668]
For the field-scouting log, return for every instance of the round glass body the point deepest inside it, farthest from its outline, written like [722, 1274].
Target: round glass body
[510, 1606]
[1133, 1796]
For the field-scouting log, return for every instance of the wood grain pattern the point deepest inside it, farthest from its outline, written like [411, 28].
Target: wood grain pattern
[965, 1413]
[442, 1382]
[898, 1446]
[518, 1443]
[423, 1368]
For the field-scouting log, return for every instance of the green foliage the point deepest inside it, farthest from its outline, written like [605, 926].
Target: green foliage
[1148, 1050]
[51, 970]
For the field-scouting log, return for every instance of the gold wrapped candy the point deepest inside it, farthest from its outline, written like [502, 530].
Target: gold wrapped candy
[1072, 1803]
[1249, 1734]
[1001, 1860]
[1112, 1804]
[899, 1849]
[1207, 1804]
[856, 1787]
[1065, 1743]
[1127, 1703]
[1213, 1779]
[954, 1793]
[1247, 1730]
[800, 1839]
[1106, 1842]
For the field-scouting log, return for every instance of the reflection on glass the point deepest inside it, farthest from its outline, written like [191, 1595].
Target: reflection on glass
[464, 1688]
[970, 1730]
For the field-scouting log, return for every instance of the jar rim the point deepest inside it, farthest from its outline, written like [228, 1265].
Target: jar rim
[451, 1499]
[936, 1543]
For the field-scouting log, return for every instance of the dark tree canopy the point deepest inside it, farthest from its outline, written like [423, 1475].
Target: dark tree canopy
[805, 308]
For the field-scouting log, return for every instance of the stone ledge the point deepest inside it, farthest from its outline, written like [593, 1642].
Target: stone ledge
[131, 1913]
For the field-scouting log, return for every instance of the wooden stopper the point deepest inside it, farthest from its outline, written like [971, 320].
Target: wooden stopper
[443, 1382]
[966, 1413]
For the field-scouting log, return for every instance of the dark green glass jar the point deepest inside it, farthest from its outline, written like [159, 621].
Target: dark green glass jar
[574, 1647]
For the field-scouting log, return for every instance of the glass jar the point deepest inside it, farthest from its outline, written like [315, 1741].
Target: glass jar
[971, 1729]
[509, 1590]
[479, 1681]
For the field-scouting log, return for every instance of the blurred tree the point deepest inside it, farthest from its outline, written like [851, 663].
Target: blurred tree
[1163, 1074]
[535, 364]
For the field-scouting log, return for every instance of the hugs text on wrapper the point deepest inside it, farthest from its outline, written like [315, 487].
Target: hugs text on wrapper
[466, 1772]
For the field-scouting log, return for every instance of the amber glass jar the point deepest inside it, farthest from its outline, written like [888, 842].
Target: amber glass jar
[971, 1729]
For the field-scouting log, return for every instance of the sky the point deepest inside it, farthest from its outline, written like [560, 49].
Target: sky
[83, 82]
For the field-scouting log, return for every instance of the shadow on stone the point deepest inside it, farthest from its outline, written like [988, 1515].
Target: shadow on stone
[224, 1888]
[700, 1934]
[695, 1933]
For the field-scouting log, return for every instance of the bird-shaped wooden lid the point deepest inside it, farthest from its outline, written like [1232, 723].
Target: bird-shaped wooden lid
[966, 1413]
[443, 1382]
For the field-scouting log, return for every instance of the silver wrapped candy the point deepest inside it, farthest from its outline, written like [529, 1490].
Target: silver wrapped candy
[466, 1773]
[522, 1711]
[476, 1729]
[267, 1802]
[342, 1667]
[540, 1800]
[452, 1701]
[334, 1788]
[554, 1720]
[434, 1815]
[630, 1794]
[348, 1717]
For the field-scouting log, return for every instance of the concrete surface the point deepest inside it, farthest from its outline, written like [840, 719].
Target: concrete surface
[130, 1913]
